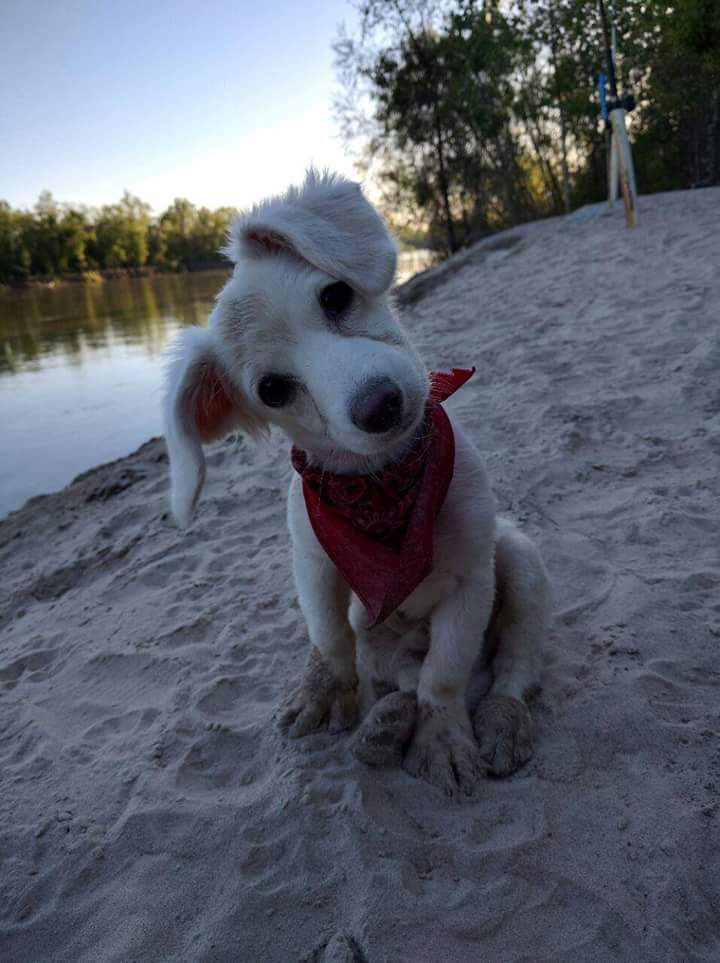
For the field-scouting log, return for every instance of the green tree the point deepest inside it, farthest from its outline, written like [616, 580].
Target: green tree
[177, 229]
[432, 86]
[677, 131]
[15, 256]
[474, 114]
[56, 239]
[121, 234]
[75, 234]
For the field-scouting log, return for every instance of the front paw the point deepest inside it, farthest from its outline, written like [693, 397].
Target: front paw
[385, 732]
[322, 702]
[502, 727]
[444, 752]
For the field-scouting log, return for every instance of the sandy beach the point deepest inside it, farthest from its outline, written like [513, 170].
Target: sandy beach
[150, 809]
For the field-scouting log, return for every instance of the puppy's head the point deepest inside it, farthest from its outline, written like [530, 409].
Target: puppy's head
[303, 336]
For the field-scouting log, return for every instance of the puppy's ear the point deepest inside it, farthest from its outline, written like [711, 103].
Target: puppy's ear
[201, 405]
[326, 222]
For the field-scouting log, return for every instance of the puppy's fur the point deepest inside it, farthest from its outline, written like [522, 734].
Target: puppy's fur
[487, 599]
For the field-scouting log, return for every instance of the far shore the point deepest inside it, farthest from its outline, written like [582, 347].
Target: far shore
[109, 274]
[115, 274]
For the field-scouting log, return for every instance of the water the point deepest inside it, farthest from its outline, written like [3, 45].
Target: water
[81, 371]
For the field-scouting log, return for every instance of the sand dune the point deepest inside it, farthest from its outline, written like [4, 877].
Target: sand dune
[150, 809]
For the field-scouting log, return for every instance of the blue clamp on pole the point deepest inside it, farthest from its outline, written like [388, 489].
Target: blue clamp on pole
[603, 97]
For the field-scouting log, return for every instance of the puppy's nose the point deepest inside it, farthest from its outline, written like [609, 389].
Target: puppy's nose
[377, 407]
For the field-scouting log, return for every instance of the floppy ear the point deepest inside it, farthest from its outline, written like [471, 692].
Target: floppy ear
[326, 222]
[201, 405]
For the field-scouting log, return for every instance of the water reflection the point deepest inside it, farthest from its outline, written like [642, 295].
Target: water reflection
[66, 321]
[81, 371]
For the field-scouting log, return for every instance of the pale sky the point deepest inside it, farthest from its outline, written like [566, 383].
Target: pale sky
[221, 102]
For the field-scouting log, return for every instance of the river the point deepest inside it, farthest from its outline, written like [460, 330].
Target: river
[81, 371]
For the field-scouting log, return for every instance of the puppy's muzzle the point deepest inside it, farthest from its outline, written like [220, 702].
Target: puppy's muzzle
[377, 407]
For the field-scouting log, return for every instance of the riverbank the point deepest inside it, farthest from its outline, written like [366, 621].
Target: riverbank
[112, 274]
[150, 808]
[410, 261]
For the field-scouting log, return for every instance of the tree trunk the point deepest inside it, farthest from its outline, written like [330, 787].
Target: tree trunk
[563, 134]
[713, 135]
[442, 174]
[545, 166]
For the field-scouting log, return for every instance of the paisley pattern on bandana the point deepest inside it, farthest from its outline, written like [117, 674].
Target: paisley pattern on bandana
[377, 528]
[379, 504]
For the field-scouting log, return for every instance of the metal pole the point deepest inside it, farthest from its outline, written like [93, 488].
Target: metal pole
[608, 51]
[620, 155]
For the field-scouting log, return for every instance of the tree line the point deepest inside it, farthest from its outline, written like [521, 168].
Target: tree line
[55, 239]
[468, 116]
[473, 115]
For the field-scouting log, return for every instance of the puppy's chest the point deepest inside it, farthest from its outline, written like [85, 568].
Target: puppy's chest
[412, 617]
[418, 606]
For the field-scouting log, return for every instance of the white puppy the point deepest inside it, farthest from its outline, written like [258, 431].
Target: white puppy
[304, 336]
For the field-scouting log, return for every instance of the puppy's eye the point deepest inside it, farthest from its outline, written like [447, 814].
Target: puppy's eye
[336, 298]
[276, 391]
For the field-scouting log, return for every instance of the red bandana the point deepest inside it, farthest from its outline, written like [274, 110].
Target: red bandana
[378, 528]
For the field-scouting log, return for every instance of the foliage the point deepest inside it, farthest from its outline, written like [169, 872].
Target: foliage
[677, 59]
[470, 115]
[478, 114]
[55, 239]
[441, 95]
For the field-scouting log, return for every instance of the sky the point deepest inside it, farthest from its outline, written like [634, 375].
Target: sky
[221, 102]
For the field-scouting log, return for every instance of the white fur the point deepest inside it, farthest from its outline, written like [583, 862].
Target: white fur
[329, 224]
[268, 320]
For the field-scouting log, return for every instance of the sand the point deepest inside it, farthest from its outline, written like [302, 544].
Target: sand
[149, 808]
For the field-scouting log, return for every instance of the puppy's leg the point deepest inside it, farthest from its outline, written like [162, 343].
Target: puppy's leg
[328, 696]
[389, 659]
[443, 749]
[502, 721]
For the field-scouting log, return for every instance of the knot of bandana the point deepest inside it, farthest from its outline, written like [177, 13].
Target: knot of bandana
[377, 528]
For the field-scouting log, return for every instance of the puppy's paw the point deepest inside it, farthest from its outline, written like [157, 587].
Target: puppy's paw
[444, 752]
[385, 732]
[502, 727]
[322, 702]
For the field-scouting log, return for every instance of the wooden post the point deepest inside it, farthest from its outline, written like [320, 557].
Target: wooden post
[621, 163]
[612, 164]
[621, 166]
